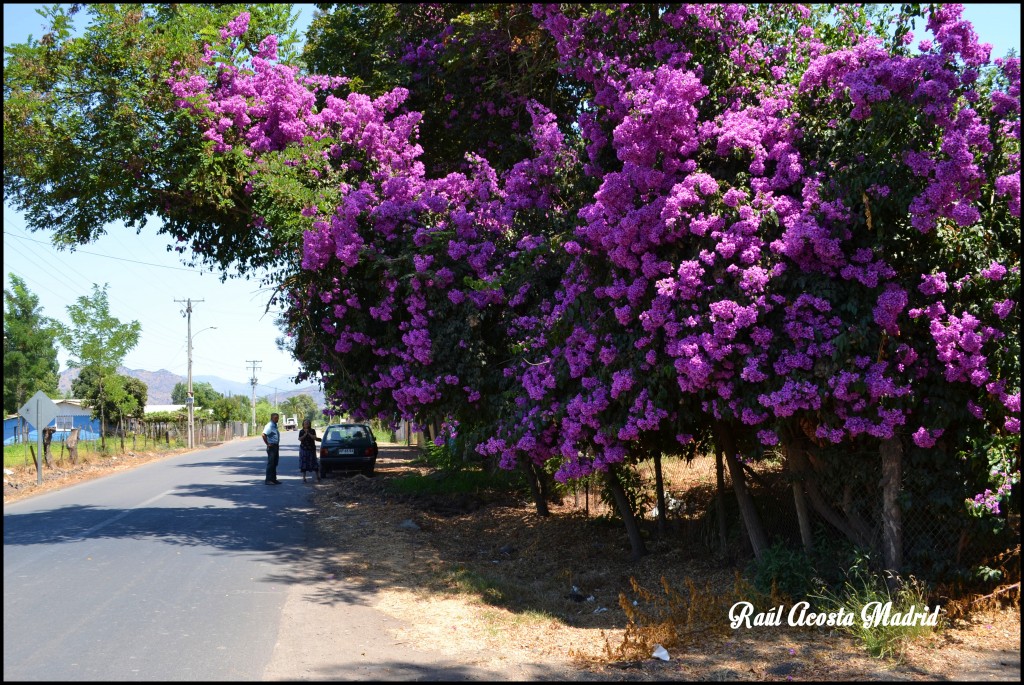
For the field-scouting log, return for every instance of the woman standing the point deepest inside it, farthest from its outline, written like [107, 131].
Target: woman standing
[307, 451]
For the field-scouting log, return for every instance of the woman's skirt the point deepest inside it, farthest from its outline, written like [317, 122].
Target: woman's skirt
[307, 459]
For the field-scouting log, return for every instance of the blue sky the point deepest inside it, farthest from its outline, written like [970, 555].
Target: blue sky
[145, 279]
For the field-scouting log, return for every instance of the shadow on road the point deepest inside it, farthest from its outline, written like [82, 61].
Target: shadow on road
[236, 513]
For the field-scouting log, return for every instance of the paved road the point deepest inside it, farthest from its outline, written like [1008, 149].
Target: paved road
[175, 570]
[191, 568]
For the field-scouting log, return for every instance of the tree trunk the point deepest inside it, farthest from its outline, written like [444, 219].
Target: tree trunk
[659, 487]
[892, 518]
[636, 541]
[798, 475]
[751, 521]
[851, 529]
[72, 442]
[723, 529]
[102, 419]
[47, 440]
[535, 487]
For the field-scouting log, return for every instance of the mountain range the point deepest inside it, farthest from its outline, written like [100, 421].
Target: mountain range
[161, 384]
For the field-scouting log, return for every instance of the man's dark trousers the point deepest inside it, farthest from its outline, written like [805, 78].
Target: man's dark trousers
[273, 454]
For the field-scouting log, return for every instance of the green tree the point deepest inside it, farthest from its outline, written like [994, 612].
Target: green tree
[82, 386]
[204, 394]
[98, 339]
[469, 68]
[234, 408]
[126, 396]
[263, 411]
[302, 406]
[93, 135]
[116, 396]
[30, 357]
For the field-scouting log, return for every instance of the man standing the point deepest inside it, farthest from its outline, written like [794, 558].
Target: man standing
[272, 439]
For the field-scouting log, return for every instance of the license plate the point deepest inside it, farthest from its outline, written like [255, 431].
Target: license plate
[346, 451]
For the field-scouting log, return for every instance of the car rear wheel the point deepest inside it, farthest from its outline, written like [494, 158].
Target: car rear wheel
[323, 472]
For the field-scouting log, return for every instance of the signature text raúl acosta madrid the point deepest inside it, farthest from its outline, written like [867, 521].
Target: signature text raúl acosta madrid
[742, 615]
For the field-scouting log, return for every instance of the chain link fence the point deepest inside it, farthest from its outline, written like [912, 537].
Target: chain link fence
[940, 539]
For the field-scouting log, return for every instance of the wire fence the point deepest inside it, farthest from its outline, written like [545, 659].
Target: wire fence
[139, 436]
[940, 539]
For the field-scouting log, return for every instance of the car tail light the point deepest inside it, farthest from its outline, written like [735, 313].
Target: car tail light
[371, 451]
[323, 452]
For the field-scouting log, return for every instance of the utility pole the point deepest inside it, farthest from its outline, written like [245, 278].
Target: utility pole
[252, 380]
[190, 400]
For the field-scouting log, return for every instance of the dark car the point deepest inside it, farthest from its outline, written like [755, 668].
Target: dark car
[348, 447]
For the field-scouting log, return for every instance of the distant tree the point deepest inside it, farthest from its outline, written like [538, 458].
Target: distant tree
[179, 416]
[264, 409]
[302, 406]
[97, 339]
[122, 396]
[30, 357]
[204, 394]
[85, 383]
[116, 396]
[234, 408]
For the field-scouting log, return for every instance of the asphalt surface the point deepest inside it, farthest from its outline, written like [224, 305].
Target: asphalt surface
[175, 570]
[192, 568]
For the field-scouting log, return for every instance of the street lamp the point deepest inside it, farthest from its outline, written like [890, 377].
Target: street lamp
[190, 400]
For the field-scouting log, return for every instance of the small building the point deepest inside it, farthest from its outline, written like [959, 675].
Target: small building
[71, 414]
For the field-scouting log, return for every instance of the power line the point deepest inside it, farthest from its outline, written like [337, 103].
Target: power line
[61, 276]
[106, 256]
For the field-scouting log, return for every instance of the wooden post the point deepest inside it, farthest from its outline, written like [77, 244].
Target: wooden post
[659, 487]
[47, 439]
[73, 445]
[723, 529]
[892, 517]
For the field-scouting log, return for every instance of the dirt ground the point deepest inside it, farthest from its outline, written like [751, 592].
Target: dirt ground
[485, 579]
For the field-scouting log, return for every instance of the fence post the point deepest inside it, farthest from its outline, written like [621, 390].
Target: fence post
[73, 445]
[892, 519]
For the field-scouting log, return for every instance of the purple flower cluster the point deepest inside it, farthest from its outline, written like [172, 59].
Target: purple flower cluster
[712, 264]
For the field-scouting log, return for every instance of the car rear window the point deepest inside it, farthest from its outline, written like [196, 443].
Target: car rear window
[340, 433]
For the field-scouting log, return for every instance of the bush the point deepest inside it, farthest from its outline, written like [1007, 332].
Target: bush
[788, 571]
[863, 587]
[672, 617]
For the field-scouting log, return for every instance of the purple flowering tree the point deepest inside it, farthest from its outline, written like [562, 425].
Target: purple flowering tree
[755, 223]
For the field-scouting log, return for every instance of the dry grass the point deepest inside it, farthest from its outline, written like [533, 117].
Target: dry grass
[497, 579]
[21, 482]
